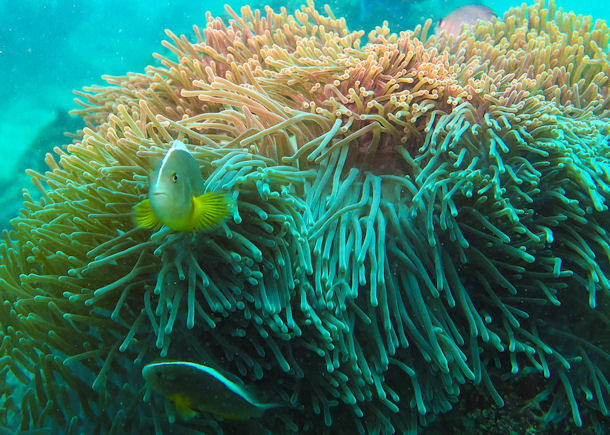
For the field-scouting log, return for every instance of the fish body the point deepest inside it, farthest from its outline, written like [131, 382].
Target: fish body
[195, 388]
[177, 198]
[466, 15]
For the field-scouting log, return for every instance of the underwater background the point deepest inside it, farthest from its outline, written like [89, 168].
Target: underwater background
[49, 49]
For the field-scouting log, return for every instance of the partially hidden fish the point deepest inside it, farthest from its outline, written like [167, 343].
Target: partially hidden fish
[466, 15]
[195, 388]
[177, 197]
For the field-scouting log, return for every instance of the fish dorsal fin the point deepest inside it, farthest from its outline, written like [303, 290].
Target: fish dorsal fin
[144, 216]
[233, 383]
[230, 381]
[248, 392]
[179, 145]
[230, 376]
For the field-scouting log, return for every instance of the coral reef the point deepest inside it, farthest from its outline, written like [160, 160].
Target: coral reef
[415, 217]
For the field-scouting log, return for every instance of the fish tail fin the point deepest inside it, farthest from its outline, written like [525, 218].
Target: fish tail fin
[144, 216]
[211, 209]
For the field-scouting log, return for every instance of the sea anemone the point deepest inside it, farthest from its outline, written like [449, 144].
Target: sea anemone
[414, 207]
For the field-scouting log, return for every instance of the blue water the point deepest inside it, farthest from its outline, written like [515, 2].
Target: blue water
[49, 48]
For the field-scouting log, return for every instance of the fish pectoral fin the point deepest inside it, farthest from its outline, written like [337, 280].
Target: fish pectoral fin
[210, 210]
[183, 406]
[144, 216]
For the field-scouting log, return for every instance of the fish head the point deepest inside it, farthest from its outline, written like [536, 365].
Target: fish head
[174, 183]
[441, 25]
[466, 15]
[161, 379]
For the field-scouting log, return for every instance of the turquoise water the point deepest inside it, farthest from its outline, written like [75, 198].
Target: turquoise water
[48, 49]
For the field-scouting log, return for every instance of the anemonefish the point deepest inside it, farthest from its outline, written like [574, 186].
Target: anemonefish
[466, 15]
[176, 196]
[195, 388]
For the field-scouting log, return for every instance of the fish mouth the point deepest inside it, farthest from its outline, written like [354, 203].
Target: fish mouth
[158, 194]
[146, 372]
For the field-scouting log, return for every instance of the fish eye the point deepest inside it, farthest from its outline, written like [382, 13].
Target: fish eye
[174, 177]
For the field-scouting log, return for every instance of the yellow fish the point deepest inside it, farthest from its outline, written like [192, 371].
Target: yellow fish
[176, 196]
[195, 388]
